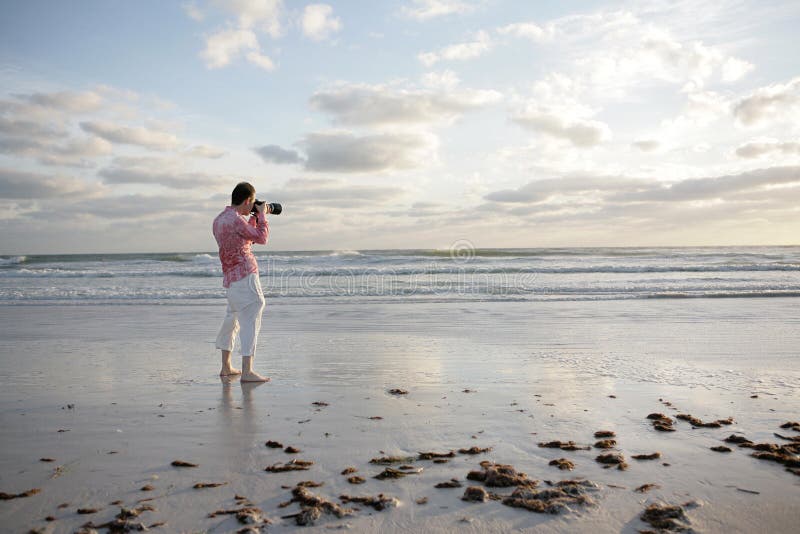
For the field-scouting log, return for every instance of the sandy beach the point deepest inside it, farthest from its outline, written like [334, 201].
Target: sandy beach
[113, 394]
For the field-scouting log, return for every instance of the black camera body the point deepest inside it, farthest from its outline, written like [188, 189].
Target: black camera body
[273, 207]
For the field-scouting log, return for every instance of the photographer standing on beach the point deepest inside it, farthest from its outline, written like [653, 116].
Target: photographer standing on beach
[235, 235]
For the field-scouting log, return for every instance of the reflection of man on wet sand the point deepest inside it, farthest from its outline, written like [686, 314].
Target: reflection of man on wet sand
[235, 235]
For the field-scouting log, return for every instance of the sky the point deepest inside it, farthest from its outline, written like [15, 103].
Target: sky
[124, 125]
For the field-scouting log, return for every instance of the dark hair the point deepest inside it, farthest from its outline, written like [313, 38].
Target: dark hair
[242, 192]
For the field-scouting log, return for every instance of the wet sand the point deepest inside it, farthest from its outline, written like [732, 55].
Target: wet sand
[114, 394]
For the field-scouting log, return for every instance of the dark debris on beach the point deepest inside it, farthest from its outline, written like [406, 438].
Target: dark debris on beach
[293, 465]
[661, 422]
[553, 500]
[563, 464]
[698, 423]
[612, 459]
[181, 463]
[501, 476]
[667, 517]
[564, 446]
[652, 456]
[9, 496]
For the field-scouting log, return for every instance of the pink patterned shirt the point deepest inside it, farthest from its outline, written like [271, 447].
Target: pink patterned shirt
[234, 235]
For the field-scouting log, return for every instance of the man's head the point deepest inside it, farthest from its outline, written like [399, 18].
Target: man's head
[243, 192]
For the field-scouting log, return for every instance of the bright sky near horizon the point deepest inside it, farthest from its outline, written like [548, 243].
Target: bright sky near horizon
[124, 125]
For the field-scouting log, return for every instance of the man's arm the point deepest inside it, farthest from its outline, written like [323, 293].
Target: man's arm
[256, 229]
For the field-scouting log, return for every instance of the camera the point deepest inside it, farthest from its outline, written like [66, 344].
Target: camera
[273, 207]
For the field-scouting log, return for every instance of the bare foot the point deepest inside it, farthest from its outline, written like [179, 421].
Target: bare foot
[229, 372]
[252, 376]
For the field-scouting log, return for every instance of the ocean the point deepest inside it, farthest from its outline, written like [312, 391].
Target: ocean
[456, 275]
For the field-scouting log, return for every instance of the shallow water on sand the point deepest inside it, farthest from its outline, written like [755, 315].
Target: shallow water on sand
[142, 382]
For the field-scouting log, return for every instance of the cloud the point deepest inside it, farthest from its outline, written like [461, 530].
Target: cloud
[580, 132]
[694, 189]
[260, 60]
[139, 136]
[541, 190]
[735, 69]
[346, 152]
[314, 192]
[646, 145]
[30, 128]
[480, 45]
[612, 53]
[361, 104]
[758, 148]
[193, 12]
[227, 45]
[19, 185]
[41, 141]
[616, 192]
[166, 173]
[428, 9]
[202, 151]
[768, 102]
[262, 15]
[529, 30]
[73, 154]
[276, 154]
[318, 22]
[67, 101]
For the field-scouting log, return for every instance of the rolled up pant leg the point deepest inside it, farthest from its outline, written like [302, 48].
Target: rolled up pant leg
[226, 338]
[250, 321]
[245, 306]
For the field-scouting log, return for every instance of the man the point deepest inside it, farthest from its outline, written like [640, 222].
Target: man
[235, 235]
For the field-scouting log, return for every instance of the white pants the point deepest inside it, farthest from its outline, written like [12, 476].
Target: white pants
[245, 305]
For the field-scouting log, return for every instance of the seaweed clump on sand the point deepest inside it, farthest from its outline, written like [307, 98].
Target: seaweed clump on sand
[478, 494]
[553, 500]
[293, 465]
[398, 391]
[564, 446]
[652, 456]
[394, 473]
[698, 423]
[474, 450]
[605, 444]
[349, 471]
[721, 448]
[613, 459]
[435, 455]
[181, 463]
[312, 507]
[248, 515]
[122, 522]
[501, 476]
[794, 425]
[274, 444]
[378, 503]
[388, 460]
[668, 517]
[452, 483]
[355, 479]
[738, 440]
[605, 434]
[661, 422]
[8, 496]
[562, 463]
[788, 454]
